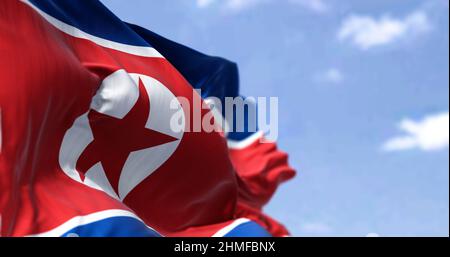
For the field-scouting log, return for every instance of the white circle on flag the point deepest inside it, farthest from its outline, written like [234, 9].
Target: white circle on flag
[116, 96]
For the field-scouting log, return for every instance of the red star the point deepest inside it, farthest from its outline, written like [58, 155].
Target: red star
[115, 139]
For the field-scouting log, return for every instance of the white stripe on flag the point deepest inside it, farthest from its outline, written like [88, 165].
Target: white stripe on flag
[233, 144]
[222, 232]
[84, 220]
[75, 32]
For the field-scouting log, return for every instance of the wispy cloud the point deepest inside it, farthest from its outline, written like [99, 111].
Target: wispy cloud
[235, 5]
[366, 32]
[204, 3]
[318, 6]
[316, 228]
[332, 75]
[429, 134]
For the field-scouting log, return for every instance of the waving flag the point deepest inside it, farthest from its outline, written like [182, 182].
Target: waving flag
[87, 147]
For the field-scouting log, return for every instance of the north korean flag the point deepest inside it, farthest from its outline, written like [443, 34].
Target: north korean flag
[87, 147]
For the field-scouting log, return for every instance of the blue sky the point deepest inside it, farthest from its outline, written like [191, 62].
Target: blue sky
[363, 89]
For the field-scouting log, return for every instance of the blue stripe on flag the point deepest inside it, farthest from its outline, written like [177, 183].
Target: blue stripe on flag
[248, 229]
[91, 17]
[112, 227]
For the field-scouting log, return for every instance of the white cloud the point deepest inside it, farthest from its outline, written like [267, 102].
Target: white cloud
[332, 75]
[429, 134]
[237, 5]
[318, 6]
[366, 32]
[316, 228]
[241, 4]
[372, 235]
[204, 3]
